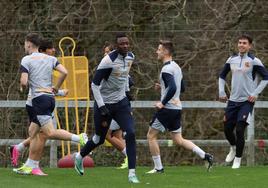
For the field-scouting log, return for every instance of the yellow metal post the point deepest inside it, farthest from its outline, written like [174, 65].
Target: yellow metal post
[77, 83]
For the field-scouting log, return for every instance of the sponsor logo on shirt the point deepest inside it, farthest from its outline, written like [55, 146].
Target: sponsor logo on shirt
[247, 64]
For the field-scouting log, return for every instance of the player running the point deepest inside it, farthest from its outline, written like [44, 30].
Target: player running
[15, 150]
[108, 88]
[36, 71]
[114, 134]
[168, 115]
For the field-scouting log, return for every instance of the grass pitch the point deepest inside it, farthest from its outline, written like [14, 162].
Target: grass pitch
[109, 177]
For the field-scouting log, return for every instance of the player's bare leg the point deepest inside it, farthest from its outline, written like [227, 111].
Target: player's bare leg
[155, 151]
[189, 145]
[116, 139]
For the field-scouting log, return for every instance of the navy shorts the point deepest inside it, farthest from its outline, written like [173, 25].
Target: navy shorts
[167, 119]
[43, 108]
[120, 112]
[114, 125]
[238, 111]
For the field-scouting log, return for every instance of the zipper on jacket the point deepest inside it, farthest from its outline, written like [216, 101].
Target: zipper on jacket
[241, 61]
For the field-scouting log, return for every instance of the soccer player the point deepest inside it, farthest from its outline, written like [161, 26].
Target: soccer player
[15, 150]
[36, 71]
[47, 47]
[168, 115]
[114, 134]
[108, 88]
[107, 48]
[245, 88]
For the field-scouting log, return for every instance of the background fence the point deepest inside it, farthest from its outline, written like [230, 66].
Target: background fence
[252, 143]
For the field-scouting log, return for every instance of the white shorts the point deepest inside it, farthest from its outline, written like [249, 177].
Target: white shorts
[114, 125]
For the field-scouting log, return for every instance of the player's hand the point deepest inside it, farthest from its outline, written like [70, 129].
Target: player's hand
[223, 99]
[105, 114]
[252, 99]
[159, 105]
[62, 92]
[21, 88]
[157, 86]
[65, 91]
[129, 96]
[104, 111]
[55, 90]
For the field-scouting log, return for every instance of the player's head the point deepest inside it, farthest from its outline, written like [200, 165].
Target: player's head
[165, 49]
[47, 47]
[122, 43]
[244, 43]
[32, 42]
[108, 47]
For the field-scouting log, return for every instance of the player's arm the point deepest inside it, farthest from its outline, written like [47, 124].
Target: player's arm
[182, 86]
[24, 69]
[261, 70]
[24, 79]
[226, 69]
[63, 74]
[102, 73]
[129, 84]
[171, 89]
[157, 86]
[95, 85]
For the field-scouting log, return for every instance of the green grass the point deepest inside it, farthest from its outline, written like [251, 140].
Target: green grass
[102, 177]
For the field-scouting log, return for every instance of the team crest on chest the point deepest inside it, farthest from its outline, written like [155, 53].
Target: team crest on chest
[247, 64]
